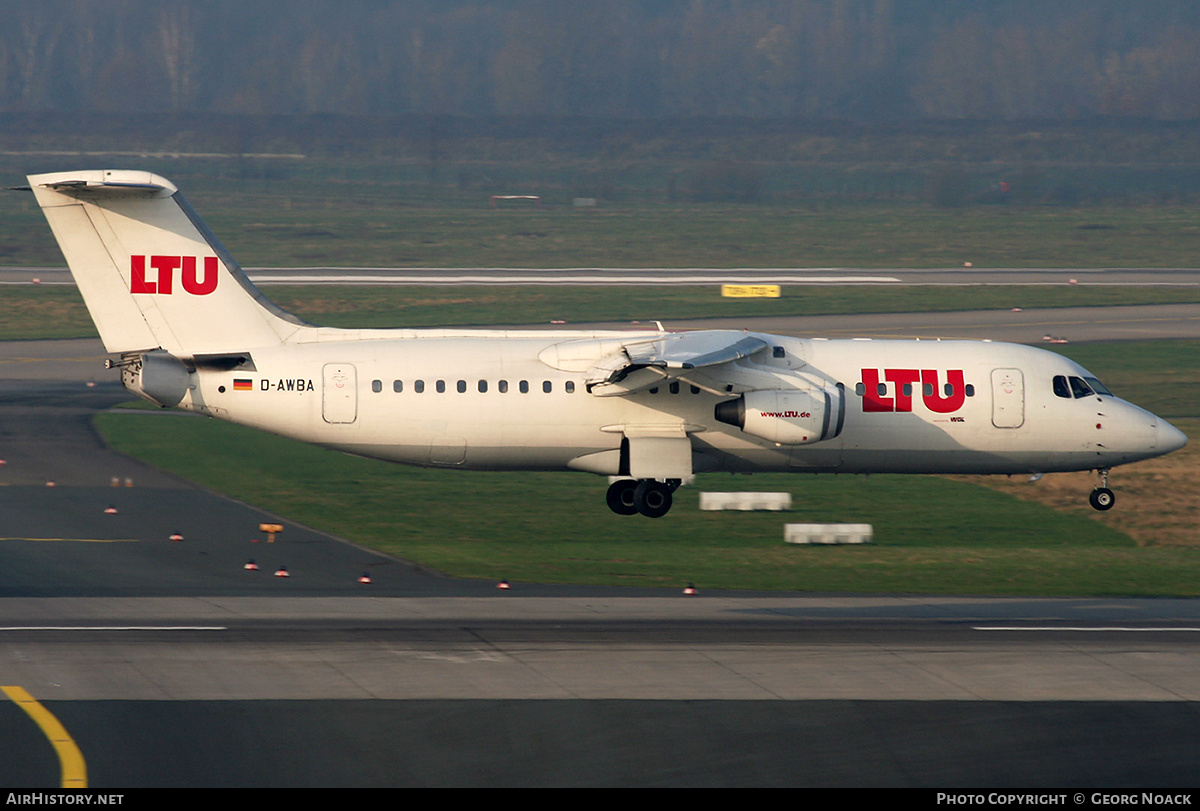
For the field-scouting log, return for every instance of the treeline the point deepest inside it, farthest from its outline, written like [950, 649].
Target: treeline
[863, 60]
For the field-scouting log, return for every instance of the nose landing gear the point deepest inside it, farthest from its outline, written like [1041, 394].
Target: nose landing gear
[1102, 498]
[649, 497]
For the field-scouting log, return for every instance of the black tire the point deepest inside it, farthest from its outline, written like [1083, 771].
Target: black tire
[652, 498]
[1102, 498]
[620, 497]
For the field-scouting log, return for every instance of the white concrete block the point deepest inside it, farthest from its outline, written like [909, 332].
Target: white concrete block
[828, 533]
[746, 501]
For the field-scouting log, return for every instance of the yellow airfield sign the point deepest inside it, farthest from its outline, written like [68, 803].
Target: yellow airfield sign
[750, 290]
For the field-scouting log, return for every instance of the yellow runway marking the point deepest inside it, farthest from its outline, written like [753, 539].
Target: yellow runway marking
[74, 770]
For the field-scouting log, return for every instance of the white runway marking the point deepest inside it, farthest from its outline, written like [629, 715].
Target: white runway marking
[1102, 629]
[550, 279]
[114, 628]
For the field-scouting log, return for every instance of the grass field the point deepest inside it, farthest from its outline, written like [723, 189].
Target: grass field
[290, 225]
[58, 312]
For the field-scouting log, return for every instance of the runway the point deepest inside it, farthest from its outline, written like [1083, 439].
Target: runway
[170, 664]
[517, 690]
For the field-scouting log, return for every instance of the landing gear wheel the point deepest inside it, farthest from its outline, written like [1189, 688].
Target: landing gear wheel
[620, 497]
[1102, 498]
[652, 498]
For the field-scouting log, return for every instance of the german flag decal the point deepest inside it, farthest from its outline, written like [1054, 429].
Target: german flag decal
[243, 384]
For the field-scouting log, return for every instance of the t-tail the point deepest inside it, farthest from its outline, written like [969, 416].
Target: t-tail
[151, 273]
[163, 292]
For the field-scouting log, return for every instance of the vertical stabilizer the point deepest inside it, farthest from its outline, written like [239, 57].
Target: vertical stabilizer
[151, 273]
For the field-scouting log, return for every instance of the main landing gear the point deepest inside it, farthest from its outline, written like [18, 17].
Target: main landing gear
[1102, 498]
[649, 497]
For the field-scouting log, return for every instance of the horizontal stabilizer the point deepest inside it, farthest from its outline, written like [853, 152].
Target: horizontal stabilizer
[84, 186]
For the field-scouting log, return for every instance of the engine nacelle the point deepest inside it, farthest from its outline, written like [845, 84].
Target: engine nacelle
[157, 376]
[786, 417]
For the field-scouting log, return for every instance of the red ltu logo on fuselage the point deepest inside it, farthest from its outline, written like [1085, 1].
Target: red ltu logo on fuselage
[189, 279]
[940, 400]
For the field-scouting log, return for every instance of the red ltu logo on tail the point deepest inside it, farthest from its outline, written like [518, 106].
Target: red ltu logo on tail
[166, 266]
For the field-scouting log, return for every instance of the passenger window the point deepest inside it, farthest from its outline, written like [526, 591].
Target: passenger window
[1061, 388]
[462, 386]
[441, 387]
[377, 386]
[907, 389]
[570, 386]
[524, 387]
[546, 386]
[419, 386]
[948, 390]
[654, 390]
[927, 389]
[482, 386]
[674, 387]
[860, 389]
[503, 386]
[970, 389]
[695, 390]
[397, 386]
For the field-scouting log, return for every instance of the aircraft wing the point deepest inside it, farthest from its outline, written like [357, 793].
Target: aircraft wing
[640, 365]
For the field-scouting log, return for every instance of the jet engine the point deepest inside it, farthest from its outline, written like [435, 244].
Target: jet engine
[786, 417]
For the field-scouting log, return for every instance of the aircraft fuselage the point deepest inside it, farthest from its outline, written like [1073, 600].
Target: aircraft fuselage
[489, 401]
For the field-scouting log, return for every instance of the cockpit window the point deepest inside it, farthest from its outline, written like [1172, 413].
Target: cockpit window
[1077, 387]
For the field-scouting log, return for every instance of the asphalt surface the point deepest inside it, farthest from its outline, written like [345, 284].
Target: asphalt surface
[170, 664]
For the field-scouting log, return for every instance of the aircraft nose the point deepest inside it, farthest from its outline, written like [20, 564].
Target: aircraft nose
[1168, 438]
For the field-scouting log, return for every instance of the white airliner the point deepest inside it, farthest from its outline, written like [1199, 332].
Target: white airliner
[649, 409]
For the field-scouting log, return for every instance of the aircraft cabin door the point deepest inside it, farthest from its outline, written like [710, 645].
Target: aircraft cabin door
[339, 393]
[1008, 398]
